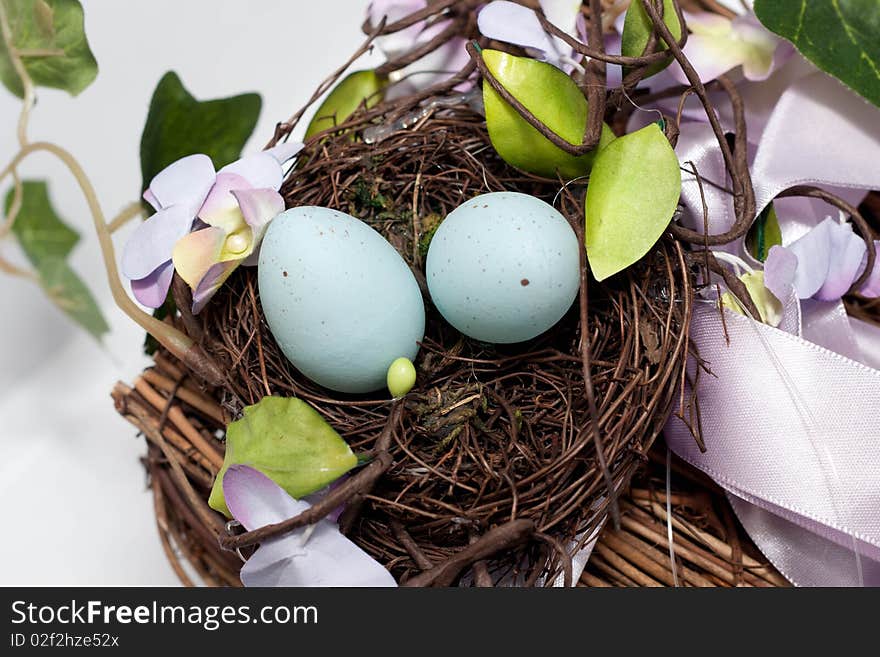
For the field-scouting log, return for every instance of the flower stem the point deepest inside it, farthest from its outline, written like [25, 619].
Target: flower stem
[26, 82]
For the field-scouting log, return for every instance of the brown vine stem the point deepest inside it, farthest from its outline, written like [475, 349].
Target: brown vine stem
[599, 53]
[863, 226]
[735, 161]
[596, 78]
[283, 130]
[353, 488]
[504, 536]
[590, 141]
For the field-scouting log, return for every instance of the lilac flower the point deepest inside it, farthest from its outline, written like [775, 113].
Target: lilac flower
[823, 264]
[513, 23]
[718, 44]
[317, 555]
[235, 204]
[434, 67]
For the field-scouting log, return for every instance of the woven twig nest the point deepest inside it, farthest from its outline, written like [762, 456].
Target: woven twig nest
[492, 435]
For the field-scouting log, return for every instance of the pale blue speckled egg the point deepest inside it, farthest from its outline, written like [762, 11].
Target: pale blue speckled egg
[339, 299]
[503, 267]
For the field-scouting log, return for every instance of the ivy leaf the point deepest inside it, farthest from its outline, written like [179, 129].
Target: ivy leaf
[40, 232]
[289, 442]
[637, 29]
[841, 37]
[51, 39]
[70, 294]
[632, 194]
[179, 125]
[356, 89]
[47, 241]
[555, 99]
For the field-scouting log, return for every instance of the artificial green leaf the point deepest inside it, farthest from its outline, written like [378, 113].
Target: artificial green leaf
[289, 442]
[637, 29]
[632, 194]
[47, 241]
[179, 125]
[554, 99]
[764, 234]
[841, 37]
[356, 89]
[768, 306]
[51, 40]
[39, 230]
[72, 296]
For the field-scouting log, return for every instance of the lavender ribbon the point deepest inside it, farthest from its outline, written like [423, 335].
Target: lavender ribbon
[790, 415]
[792, 434]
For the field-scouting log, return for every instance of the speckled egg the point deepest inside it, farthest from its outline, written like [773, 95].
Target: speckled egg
[503, 267]
[339, 299]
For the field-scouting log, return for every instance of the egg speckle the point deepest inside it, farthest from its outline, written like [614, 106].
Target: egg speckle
[503, 267]
[339, 299]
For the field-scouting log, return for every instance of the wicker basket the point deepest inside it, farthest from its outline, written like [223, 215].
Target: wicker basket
[181, 424]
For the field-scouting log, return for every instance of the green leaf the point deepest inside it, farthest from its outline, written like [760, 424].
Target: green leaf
[47, 241]
[289, 442]
[39, 230]
[841, 37]
[764, 234]
[769, 307]
[356, 89]
[637, 29]
[51, 38]
[72, 296]
[179, 125]
[554, 99]
[633, 192]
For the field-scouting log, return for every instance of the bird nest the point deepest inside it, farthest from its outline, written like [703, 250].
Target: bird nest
[502, 447]
[505, 460]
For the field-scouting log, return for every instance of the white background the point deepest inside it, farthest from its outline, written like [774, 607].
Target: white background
[75, 507]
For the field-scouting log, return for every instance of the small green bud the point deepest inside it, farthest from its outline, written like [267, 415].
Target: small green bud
[401, 377]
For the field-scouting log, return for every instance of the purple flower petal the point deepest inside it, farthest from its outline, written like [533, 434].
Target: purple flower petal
[260, 170]
[285, 150]
[211, 282]
[846, 252]
[813, 252]
[779, 271]
[255, 500]
[221, 209]
[152, 200]
[718, 44]
[258, 206]
[315, 556]
[326, 558]
[184, 182]
[512, 23]
[152, 242]
[871, 287]
[153, 290]
[393, 45]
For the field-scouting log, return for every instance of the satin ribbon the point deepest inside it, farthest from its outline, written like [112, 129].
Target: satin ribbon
[790, 415]
[792, 433]
[820, 133]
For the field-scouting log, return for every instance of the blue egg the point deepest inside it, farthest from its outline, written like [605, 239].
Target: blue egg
[504, 267]
[339, 299]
